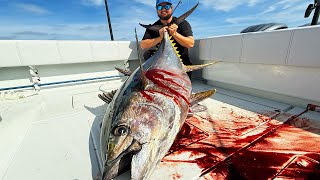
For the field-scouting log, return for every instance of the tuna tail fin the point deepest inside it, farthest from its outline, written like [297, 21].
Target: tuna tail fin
[195, 98]
[156, 28]
[197, 67]
[143, 76]
[185, 15]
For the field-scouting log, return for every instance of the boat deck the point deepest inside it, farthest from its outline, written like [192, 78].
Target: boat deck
[55, 135]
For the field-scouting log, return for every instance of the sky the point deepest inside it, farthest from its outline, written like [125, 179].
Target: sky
[87, 20]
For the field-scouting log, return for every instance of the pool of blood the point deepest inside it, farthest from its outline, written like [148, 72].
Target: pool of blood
[227, 153]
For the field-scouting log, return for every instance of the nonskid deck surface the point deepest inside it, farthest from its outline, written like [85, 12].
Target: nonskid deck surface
[55, 135]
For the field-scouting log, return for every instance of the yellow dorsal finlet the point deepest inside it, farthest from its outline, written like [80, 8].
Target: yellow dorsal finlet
[175, 47]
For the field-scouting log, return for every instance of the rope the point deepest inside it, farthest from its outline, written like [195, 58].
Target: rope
[11, 95]
[14, 95]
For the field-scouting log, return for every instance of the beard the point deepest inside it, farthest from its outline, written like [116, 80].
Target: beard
[165, 17]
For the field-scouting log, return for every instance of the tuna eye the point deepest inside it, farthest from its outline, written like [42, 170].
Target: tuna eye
[120, 130]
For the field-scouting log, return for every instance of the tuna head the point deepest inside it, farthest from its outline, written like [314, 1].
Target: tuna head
[138, 135]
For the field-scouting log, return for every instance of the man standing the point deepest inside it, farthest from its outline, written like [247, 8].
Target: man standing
[182, 35]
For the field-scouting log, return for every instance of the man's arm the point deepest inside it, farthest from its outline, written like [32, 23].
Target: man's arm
[149, 43]
[187, 42]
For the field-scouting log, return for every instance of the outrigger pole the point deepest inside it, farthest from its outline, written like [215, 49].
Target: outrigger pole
[109, 21]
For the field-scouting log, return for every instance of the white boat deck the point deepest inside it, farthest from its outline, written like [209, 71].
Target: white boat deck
[50, 135]
[55, 135]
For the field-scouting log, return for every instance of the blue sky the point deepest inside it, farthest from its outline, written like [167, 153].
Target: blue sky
[86, 19]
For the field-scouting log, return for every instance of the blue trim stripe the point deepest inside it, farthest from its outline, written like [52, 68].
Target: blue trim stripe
[60, 82]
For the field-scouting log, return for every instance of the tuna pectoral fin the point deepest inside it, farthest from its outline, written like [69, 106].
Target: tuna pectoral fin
[197, 67]
[107, 97]
[145, 161]
[195, 98]
[126, 72]
[154, 28]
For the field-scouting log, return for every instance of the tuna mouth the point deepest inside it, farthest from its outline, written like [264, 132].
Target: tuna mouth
[122, 163]
[118, 167]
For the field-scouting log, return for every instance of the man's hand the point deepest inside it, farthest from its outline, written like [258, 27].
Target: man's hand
[149, 43]
[162, 30]
[173, 29]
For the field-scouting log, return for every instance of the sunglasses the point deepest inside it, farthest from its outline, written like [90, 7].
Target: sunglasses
[166, 7]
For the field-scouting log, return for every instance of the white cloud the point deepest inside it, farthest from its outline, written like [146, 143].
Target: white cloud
[285, 11]
[93, 2]
[123, 29]
[241, 19]
[123, 24]
[289, 12]
[269, 10]
[56, 32]
[101, 2]
[285, 4]
[33, 8]
[253, 2]
[147, 2]
[291, 15]
[225, 5]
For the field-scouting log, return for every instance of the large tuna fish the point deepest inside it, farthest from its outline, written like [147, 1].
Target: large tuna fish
[145, 115]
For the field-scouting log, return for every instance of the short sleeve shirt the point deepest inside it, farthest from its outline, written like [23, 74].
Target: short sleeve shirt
[184, 29]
